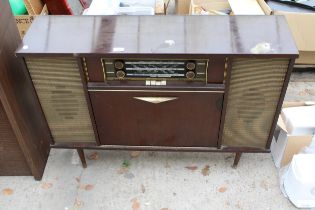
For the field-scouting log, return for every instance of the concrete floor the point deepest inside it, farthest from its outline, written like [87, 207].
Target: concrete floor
[152, 181]
[301, 86]
[123, 180]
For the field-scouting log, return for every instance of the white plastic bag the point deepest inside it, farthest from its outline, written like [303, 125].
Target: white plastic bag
[284, 171]
[103, 7]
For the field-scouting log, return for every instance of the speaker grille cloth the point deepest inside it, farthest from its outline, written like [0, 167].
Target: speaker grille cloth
[60, 91]
[255, 87]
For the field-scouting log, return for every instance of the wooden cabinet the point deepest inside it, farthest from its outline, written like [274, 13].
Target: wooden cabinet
[190, 83]
[24, 139]
[12, 159]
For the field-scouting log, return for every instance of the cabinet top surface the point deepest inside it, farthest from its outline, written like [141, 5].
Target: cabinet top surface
[200, 35]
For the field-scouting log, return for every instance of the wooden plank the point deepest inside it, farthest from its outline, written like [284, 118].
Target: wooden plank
[34, 7]
[159, 7]
[182, 7]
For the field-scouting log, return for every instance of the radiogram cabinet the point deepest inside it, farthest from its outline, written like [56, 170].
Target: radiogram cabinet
[180, 83]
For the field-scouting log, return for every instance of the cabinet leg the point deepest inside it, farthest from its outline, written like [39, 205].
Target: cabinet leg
[82, 157]
[237, 159]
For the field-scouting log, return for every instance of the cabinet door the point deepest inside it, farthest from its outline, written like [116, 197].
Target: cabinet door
[168, 118]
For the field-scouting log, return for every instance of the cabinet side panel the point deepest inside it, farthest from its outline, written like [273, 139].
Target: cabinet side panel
[12, 160]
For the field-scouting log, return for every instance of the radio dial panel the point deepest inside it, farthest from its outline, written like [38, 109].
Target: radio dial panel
[138, 69]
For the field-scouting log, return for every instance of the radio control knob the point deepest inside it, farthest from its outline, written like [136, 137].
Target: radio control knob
[119, 65]
[190, 74]
[190, 66]
[120, 74]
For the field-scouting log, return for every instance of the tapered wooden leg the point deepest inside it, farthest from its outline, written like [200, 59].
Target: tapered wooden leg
[82, 157]
[237, 159]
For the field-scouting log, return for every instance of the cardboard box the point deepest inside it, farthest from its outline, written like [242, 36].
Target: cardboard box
[211, 7]
[237, 7]
[182, 7]
[303, 31]
[284, 146]
[23, 22]
[301, 24]
[160, 7]
[299, 120]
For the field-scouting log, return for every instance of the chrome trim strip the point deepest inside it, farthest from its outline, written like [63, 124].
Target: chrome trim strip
[155, 99]
[159, 91]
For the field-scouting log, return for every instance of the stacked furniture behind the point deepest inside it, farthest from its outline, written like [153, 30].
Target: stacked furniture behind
[24, 139]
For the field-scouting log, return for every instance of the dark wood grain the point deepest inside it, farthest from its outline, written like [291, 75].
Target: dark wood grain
[5, 12]
[225, 100]
[84, 79]
[95, 69]
[184, 86]
[163, 148]
[12, 160]
[216, 69]
[192, 119]
[191, 35]
[236, 159]
[82, 157]
[19, 100]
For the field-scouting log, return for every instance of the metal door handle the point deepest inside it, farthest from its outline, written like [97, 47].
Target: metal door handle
[155, 100]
